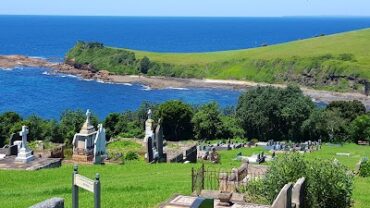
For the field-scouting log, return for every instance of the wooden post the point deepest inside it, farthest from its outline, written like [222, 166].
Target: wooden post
[202, 175]
[192, 180]
[74, 188]
[97, 191]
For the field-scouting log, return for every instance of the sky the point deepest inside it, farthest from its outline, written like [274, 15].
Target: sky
[209, 8]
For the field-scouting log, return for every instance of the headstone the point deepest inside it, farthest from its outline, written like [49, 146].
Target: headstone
[154, 150]
[159, 139]
[24, 153]
[149, 149]
[367, 88]
[89, 145]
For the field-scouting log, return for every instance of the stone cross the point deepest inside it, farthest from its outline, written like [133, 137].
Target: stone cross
[24, 134]
[150, 114]
[88, 115]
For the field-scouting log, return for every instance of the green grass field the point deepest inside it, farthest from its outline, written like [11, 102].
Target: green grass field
[344, 56]
[137, 184]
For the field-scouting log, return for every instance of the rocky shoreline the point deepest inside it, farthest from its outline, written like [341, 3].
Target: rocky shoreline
[88, 72]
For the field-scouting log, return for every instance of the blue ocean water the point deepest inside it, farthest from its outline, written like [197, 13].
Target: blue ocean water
[30, 91]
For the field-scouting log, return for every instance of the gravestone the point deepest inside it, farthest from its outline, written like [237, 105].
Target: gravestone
[154, 140]
[162, 157]
[367, 88]
[89, 145]
[149, 149]
[24, 153]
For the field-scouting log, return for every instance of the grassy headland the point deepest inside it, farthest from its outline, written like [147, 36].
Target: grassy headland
[338, 62]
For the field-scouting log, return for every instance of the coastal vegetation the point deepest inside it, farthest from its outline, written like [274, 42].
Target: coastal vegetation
[337, 62]
[262, 113]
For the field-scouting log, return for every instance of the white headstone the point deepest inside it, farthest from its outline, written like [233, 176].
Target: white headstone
[24, 153]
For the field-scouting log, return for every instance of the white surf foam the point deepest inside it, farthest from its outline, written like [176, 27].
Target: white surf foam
[177, 88]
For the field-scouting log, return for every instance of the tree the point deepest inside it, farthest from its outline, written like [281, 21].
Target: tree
[7, 121]
[273, 113]
[230, 128]
[113, 124]
[207, 121]
[176, 120]
[348, 110]
[326, 125]
[360, 128]
[144, 65]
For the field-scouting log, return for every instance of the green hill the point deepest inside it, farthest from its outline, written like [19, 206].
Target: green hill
[338, 62]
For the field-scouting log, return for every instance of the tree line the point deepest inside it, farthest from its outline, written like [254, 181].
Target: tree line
[262, 113]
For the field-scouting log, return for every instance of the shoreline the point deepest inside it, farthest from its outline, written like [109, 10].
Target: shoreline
[155, 82]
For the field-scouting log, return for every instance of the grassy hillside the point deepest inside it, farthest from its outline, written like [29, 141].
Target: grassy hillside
[338, 62]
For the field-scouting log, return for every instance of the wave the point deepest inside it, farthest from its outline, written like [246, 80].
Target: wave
[37, 57]
[176, 88]
[7, 69]
[145, 88]
[46, 73]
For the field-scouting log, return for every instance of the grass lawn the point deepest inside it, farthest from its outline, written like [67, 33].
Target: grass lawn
[137, 184]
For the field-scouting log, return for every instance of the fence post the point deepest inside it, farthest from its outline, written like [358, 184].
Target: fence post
[202, 175]
[192, 180]
[74, 188]
[97, 191]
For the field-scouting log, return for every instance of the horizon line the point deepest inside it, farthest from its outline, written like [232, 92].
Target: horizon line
[167, 16]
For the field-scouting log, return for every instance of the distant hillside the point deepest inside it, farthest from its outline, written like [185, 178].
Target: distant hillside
[339, 62]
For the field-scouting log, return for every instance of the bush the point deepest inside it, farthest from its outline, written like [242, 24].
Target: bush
[329, 183]
[365, 168]
[132, 156]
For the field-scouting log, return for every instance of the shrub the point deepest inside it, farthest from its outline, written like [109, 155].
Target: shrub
[329, 184]
[365, 168]
[132, 156]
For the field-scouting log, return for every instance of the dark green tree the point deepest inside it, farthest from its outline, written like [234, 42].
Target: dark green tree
[326, 125]
[144, 65]
[176, 120]
[360, 128]
[207, 121]
[348, 110]
[273, 113]
[7, 121]
[230, 128]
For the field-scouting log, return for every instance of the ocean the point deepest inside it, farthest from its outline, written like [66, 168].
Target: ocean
[33, 91]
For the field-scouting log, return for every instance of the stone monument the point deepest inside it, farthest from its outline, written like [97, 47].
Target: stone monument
[24, 152]
[154, 141]
[89, 144]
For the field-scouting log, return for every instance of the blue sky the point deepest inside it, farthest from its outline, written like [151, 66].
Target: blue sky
[188, 7]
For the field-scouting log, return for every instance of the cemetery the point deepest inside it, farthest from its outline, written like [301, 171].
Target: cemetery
[165, 174]
[162, 180]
